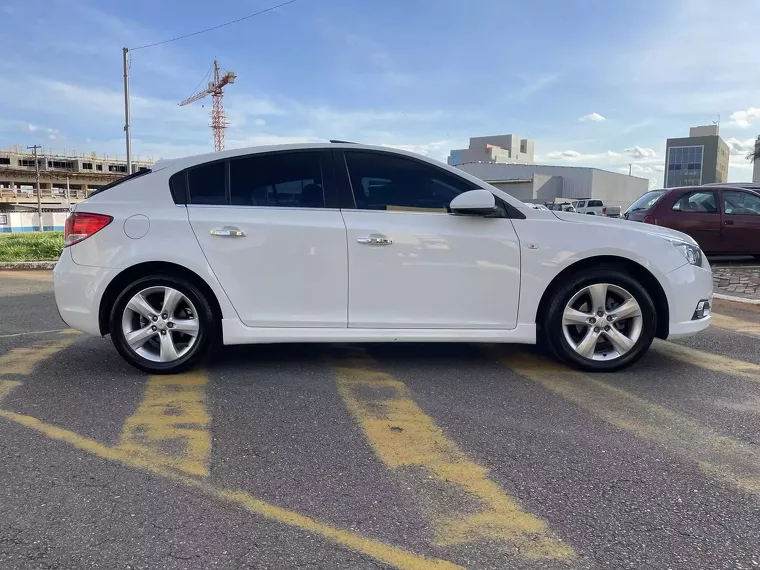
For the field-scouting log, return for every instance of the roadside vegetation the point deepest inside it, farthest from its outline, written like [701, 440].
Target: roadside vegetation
[31, 246]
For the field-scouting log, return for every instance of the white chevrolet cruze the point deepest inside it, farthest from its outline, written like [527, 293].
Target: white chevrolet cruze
[351, 243]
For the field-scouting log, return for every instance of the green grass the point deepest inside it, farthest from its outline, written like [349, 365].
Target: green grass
[31, 246]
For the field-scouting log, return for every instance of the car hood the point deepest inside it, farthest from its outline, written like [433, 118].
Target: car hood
[625, 224]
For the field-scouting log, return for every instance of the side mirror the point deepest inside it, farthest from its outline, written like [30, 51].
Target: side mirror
[474, 203]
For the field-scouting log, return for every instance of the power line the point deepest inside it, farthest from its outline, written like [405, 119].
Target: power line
[215, 27]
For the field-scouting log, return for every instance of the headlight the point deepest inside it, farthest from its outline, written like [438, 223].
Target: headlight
[692, 253]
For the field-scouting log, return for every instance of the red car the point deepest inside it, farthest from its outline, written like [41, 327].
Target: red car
[722, 219]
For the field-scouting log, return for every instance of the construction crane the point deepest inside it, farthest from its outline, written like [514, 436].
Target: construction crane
[218, 118]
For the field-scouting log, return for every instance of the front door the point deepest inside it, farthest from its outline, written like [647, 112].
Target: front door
[413, 265]
[277, 250]
[741, 222]
[696, 213]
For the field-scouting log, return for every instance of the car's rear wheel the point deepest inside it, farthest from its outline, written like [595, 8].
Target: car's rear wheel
[162, 324]
[600, 320]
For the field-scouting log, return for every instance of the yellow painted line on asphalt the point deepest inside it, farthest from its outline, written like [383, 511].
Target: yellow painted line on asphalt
[718, 456]
[735, 325]
[28, 275]
[22, 361]
[171, 425]
[456, 494]
[708, 360]
[35, 333]
[6, 386]
[380, 551]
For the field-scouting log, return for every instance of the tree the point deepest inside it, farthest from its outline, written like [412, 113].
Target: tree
[754, 154]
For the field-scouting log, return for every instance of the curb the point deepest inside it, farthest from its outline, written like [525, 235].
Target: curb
[736, 299]
[27, 265]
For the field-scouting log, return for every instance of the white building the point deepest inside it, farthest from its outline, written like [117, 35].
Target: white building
[540, 183]
[498, 148]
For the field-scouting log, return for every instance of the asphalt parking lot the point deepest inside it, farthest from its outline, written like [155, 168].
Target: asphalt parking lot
[385, 456]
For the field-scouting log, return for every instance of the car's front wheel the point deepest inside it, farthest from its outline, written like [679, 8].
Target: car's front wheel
[162, 324]
[600, 320]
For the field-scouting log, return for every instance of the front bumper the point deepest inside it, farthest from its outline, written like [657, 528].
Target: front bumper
[685, 288]
[78, 291]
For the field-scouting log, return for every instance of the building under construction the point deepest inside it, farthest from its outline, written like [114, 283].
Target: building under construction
[64, 178]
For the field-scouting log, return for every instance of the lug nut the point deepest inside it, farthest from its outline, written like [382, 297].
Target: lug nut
[610, 317]
[164, 316]
[163, 332]
[170, 325]
[600, 313]
[596, 329]
[607, 328]
[155, 318]
[592, 320]
[153, 328]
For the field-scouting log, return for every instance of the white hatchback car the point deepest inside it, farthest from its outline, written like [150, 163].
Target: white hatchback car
[350, 243]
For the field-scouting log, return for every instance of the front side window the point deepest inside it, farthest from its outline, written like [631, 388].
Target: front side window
[386, 182]
[697, 203]
[292, 179]
[206, 183]
[740, 203]
[581, 204]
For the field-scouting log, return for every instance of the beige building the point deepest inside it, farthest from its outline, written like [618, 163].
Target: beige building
[64, 178]
[498, 148]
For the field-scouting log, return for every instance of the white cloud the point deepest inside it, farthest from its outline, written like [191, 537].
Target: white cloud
[596, 117]
[740, 148]
[575, 156]
[29, 128]
[639, 152]
[743, 118]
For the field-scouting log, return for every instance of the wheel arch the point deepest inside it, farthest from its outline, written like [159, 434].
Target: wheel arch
[145, 269]
[634, 269]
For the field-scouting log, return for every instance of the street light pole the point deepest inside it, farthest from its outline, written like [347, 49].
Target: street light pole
[37, 176]
[127, 125]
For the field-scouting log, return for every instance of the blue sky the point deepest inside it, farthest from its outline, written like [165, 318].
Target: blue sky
[593, 82]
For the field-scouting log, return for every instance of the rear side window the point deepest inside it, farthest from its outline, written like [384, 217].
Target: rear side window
[740, 203]
[699, 202]
[594, 203]
[386, 182]
[205, 184]
[292, 179]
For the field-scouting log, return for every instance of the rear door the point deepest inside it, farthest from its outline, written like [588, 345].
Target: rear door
[265, 224]
[695, 213]
[741, 222]
[412, 264]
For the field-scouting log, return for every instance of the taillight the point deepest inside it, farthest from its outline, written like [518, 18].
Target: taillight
[81, 225]
[604, 209]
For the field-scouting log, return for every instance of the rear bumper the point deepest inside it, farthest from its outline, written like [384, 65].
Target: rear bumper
[685, 287]
[78, 291]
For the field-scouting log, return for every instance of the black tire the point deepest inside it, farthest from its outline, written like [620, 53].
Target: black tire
[591, 213]
[552, 330]
[207, 338]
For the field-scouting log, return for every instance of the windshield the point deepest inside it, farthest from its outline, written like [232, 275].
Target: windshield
[645, 202]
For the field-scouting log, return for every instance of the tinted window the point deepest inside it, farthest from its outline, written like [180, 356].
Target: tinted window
[740, 203]
[206, 183]
[697, 203]
[581, 204]
[292, 179]
[386, 182]
[594, 203]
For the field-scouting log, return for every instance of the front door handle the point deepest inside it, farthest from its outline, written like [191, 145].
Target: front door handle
[227, 231]
[729, 222]
[375, 239]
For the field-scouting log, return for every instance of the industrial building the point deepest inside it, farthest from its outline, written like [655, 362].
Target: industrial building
[65, 179]
[534, 183]
[497, 148]
[700, 158]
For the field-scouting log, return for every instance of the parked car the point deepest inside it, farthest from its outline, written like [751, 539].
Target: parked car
[352, 243]
[722, 219]
[596, 208]
[560, 206]
[537, 206]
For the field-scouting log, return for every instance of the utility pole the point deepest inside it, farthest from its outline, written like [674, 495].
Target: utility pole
[37, 176]
[127, 125]
[68, 195]
[630, 167]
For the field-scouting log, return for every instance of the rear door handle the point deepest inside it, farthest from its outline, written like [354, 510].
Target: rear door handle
[375, 239]
[227, 231]
[729, 222]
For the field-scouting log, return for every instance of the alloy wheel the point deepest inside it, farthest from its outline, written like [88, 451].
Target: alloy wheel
[602, 322]
[160, 324]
